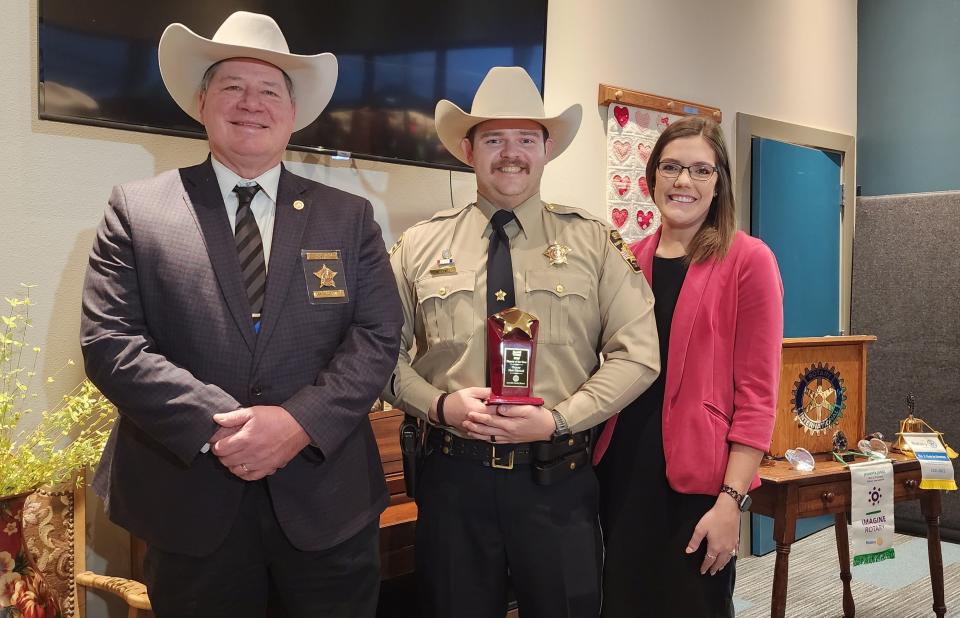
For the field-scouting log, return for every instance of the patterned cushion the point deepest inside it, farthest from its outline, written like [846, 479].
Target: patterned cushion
[49, 535]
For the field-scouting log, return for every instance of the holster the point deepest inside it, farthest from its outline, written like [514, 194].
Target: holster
[559, 458]
[412, 440]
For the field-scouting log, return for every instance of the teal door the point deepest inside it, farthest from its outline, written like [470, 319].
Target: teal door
[796, 198]
[795, 209]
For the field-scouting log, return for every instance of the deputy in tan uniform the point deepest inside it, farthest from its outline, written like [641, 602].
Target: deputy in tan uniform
[506, 494]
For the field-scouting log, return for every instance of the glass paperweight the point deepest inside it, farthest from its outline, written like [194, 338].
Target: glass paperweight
[800, 459]
[874, 448]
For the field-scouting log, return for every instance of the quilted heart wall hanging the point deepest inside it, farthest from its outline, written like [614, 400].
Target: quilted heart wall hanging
[634, 122]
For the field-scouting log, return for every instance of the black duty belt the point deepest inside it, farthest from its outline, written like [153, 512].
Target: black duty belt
[508, 456]
[500, 456]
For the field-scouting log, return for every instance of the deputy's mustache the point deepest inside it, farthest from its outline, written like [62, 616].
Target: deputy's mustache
[502, 163]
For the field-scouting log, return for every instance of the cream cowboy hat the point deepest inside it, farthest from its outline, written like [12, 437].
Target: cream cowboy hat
[505, 93]
[186, 56]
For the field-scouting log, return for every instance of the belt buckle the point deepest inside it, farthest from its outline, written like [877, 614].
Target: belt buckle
[495, 461]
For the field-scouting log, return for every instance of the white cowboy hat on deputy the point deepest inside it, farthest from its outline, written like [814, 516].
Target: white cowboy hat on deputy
[506, 93]
[185, 56]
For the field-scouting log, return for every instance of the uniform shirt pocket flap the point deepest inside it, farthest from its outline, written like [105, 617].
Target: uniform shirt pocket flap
[443, 286]
[559, 283]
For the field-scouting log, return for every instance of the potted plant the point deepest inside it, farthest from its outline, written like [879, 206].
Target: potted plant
[37, 448]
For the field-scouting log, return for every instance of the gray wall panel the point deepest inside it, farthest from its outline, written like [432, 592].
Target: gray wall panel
[906, 291]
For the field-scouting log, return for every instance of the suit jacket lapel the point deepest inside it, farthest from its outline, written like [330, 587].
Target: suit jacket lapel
[203, 196]
[284, 253]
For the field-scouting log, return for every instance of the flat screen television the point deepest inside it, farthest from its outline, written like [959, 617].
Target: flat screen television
[98, 64]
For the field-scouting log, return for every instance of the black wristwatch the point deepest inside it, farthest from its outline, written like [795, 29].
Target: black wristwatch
[743, 500]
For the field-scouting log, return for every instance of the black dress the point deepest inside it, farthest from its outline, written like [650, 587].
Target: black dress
[646, 524]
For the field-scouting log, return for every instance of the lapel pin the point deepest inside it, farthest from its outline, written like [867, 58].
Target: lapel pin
[298, 205]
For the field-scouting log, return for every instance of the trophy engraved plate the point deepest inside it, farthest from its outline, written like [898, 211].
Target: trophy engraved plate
[512, 353]
[516, 366]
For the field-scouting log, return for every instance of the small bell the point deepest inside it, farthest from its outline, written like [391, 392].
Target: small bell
[913, 424]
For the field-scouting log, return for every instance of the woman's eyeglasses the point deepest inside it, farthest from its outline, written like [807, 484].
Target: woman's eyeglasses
[698, 171]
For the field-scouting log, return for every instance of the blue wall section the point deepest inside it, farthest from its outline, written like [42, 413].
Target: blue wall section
[908, 96]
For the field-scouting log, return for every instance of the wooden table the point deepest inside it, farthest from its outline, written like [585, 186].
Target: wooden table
[786, 495]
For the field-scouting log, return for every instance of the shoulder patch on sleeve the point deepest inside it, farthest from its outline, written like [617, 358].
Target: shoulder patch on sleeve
[617, 241]
[396, 245]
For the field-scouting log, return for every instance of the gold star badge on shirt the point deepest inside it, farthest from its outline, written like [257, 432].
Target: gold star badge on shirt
[325, 275]
[501, 295]
[557, 254]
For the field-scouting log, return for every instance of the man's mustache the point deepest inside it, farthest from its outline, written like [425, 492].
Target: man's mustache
[510, 163]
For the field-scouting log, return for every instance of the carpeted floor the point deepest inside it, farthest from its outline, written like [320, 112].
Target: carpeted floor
[898, 588]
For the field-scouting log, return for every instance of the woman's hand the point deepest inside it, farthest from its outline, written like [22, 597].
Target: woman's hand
[720, 526]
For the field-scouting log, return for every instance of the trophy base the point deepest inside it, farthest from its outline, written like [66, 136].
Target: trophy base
[494, 400]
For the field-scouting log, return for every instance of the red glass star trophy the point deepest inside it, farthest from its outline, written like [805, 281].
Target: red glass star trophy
[512, 348]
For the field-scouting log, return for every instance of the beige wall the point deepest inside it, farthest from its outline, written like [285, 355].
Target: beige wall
[792, 60]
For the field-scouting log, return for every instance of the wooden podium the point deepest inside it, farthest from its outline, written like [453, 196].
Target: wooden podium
[823, 388]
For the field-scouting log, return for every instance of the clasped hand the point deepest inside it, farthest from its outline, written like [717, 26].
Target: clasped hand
[257, 441]
[467, 411]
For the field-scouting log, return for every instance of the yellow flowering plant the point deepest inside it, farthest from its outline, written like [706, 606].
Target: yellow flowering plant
[49, 446]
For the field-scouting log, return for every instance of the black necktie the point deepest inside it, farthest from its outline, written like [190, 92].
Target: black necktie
[250, 251]
[500, 293]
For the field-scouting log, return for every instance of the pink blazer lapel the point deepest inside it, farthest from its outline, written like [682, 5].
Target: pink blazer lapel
[681, 328]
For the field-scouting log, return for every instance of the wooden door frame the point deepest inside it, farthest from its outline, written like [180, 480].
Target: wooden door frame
[748, 127]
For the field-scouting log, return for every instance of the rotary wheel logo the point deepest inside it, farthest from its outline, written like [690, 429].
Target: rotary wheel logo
[819, 399]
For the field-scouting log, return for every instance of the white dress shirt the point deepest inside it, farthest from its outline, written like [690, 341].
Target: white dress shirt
[264, 205]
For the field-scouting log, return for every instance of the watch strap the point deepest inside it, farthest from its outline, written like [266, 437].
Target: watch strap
[562, 427]
[738, 497]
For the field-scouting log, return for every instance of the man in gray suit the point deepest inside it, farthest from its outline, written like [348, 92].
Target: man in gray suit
[243, 320]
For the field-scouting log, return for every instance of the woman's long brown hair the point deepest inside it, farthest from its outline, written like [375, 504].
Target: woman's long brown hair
[715, 236]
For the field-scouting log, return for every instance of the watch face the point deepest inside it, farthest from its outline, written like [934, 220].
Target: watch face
[746, 503]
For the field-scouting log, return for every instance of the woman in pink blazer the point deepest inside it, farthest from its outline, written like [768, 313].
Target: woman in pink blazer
[676, 466]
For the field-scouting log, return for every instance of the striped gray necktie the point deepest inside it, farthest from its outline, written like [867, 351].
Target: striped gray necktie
[250, 251]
